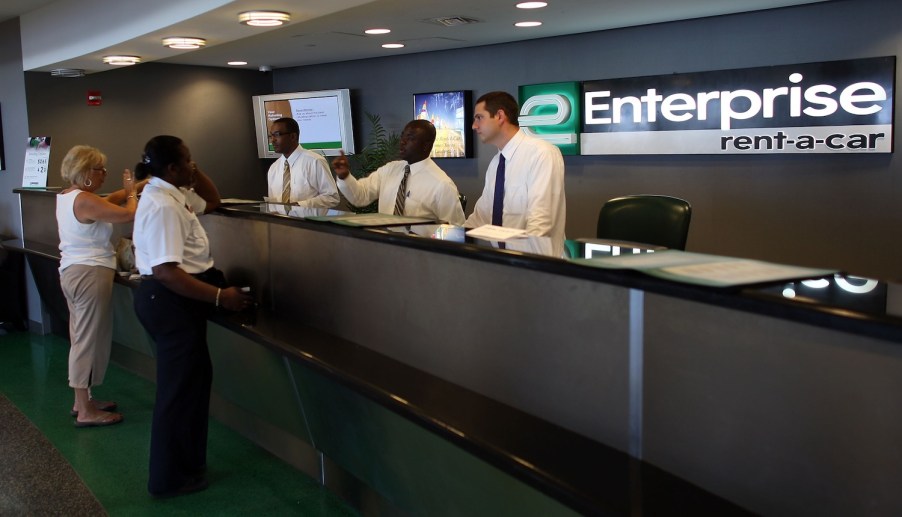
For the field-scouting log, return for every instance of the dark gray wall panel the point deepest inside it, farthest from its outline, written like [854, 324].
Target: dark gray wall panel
[15, 126]
[209, 108]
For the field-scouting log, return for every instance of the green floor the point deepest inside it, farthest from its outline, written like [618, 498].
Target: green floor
[112, 461]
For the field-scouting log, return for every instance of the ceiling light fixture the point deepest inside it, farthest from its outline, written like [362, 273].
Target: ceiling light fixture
[531, 5]
[377, 31]
[527, 24]
[67, 72]
[263, 18]
[236, 63]
[393, 45]
[121, 60]
[184, 43]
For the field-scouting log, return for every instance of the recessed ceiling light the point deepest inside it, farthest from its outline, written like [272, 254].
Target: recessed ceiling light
[184, 43]
[377, 31]
[263, 18]
[393, 45]
[237, 63]
[527, 24]
[531, 5]
[121, 60]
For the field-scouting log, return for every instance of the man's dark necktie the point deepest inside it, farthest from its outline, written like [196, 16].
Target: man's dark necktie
[498, 203]
[402, 192]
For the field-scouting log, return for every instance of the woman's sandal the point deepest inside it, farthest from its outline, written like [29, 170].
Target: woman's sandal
[101, 406]
[108, 419]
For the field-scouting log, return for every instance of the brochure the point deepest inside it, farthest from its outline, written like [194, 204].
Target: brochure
[37, 160]
[702, 269]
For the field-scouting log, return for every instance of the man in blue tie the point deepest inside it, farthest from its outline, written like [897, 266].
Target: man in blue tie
[524, 184]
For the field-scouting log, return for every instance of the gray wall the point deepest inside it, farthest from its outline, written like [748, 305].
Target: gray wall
[15, 126]
[209, 108]
[829, 210]
[832, 211]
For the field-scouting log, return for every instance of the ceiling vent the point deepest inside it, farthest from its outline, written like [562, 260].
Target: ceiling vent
[67, 72]
[451, 21]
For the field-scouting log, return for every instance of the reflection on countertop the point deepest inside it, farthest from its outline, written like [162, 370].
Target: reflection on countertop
[841, 292]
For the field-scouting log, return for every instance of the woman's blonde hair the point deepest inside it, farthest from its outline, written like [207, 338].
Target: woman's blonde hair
[78, 163]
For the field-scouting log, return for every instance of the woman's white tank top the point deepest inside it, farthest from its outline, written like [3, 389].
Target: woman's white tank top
[87, 244]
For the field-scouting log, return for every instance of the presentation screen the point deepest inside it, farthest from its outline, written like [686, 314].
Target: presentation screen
[323, 116]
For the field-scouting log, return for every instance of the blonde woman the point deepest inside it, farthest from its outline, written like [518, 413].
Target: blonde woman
[87, 268]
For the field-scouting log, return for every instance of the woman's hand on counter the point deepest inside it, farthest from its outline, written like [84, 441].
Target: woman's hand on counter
[234, 300]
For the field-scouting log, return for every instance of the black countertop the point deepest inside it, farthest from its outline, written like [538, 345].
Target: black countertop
[861, 306]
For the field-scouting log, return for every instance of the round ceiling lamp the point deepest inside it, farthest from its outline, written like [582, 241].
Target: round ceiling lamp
[263, 18]
[121, 60]
[182, 43]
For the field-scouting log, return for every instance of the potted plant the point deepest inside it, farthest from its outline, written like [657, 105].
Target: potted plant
[383, 148]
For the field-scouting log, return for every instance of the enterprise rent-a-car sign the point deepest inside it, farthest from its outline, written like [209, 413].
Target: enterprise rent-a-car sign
[832, 107]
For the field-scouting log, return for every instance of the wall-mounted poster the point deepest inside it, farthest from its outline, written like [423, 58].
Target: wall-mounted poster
[451, 113]
[37, 159]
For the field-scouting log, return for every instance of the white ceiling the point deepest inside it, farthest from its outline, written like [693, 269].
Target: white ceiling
[78, 33]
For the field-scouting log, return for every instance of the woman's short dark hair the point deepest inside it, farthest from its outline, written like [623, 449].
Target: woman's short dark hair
[159, 153]
[503, 101]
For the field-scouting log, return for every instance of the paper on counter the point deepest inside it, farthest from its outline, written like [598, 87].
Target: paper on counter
[496, 233]
[702, 269]
[374, 219]
[237, 201]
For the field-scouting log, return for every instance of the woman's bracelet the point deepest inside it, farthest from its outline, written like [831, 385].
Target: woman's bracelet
[218, 292]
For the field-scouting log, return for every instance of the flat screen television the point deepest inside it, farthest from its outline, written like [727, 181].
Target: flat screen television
[451, 113]
[324, 117]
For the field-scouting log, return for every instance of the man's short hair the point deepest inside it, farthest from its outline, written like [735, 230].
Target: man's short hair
[427, 128]
[290, 123]
[503, 101]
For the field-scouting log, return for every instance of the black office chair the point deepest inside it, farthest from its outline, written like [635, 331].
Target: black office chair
[463, 201]
[647, 218]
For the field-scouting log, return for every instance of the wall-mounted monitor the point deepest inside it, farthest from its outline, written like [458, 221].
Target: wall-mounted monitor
[324, 117]
[451, 113]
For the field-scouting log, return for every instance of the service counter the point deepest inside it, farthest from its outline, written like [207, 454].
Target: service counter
[432, 372]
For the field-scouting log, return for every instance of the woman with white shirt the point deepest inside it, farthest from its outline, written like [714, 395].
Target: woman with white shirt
[87, 268]
[179, 290]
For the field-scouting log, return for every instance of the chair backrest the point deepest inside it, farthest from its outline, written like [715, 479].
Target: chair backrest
[649, 219]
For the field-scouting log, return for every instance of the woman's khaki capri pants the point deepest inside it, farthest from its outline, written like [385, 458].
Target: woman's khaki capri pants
[89, 293]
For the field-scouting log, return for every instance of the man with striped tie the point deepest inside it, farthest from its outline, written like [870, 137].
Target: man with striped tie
[413, 186]
[299, 176]
[524, 183]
